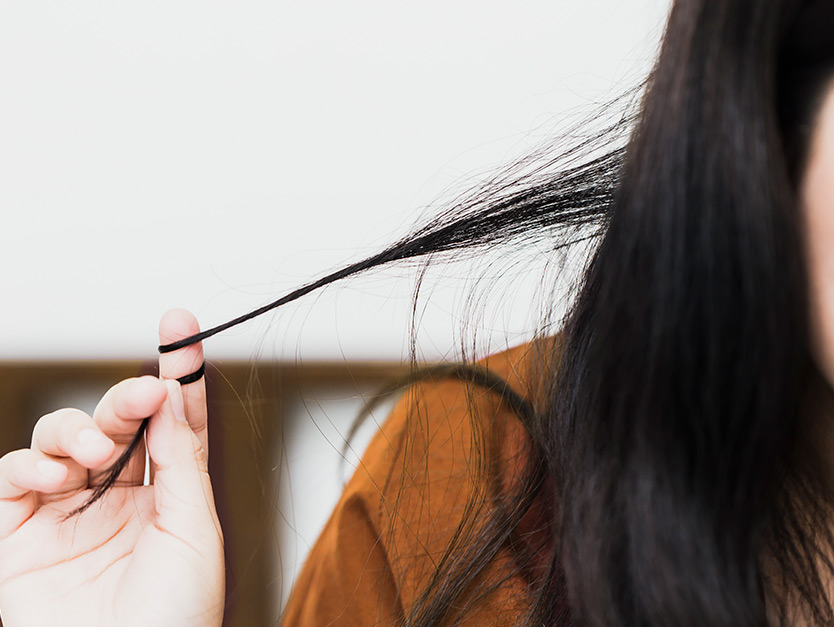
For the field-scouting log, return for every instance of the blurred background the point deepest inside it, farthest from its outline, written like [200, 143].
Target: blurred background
[214, 155]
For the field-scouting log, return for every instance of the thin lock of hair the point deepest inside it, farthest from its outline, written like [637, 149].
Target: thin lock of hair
[558, 200]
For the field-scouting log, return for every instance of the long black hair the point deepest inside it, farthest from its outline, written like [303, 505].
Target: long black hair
[683, 387]
[669, 428]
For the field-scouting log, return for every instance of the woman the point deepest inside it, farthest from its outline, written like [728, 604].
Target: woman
[663, 461]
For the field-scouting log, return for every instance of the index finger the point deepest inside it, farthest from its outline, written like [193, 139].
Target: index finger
[175, 325]
[119, 415]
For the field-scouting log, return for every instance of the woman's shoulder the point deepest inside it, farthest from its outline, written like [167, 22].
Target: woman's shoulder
[454, 417]
[457, 400]
[447, 451]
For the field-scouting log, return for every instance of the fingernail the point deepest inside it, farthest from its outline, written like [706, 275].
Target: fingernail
[50, 470]
[177, 405]
[91, 437]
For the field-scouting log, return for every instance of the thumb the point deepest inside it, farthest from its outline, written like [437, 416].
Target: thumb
[183, 492]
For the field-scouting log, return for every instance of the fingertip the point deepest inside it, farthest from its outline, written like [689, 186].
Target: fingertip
[177, 324]
[137, 398]
[148, 389]
[96, 447]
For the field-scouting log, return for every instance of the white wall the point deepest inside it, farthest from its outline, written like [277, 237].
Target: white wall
[213, 154]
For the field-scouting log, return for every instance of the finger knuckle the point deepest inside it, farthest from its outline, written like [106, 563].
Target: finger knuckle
[53, 425]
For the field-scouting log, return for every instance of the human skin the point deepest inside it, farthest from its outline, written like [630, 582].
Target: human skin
[817, 196]
[143, 555]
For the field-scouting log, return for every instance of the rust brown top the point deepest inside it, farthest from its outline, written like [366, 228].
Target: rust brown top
[399, 512]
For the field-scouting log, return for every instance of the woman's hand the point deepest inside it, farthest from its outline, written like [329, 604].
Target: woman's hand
[142, 555]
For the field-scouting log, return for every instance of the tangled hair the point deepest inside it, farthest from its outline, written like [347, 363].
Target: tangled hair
[672, 429]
